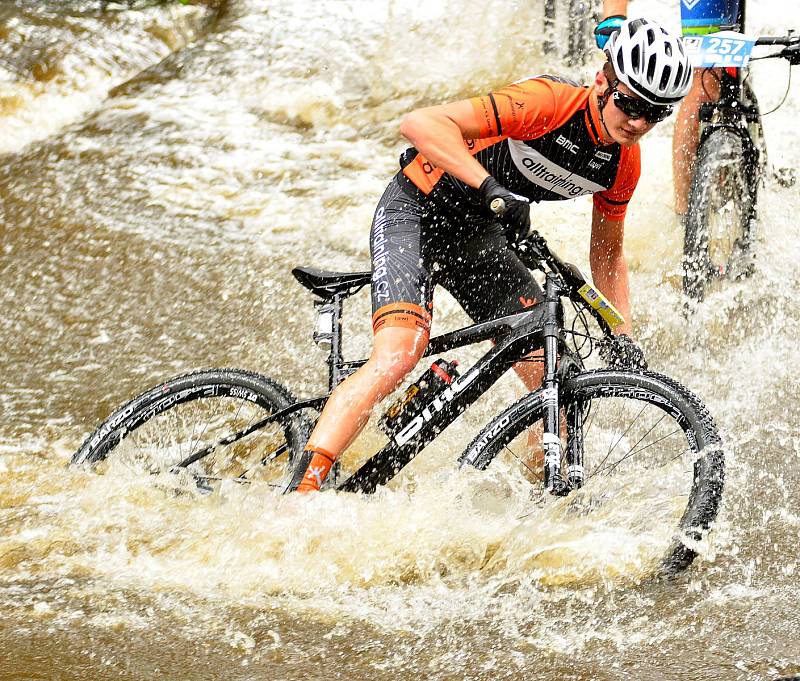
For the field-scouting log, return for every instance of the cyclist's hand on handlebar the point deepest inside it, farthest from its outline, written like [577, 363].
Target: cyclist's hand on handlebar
[512, 209]
[606, 28]
[622, 352]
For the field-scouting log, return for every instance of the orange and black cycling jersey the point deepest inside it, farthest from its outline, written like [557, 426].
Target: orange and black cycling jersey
[539, 138]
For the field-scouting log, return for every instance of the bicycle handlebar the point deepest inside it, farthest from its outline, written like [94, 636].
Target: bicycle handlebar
[785, 40]
[790, 51]
[497, 206]
[534, 250]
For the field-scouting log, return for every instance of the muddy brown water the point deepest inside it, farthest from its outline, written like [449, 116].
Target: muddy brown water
[163, 169]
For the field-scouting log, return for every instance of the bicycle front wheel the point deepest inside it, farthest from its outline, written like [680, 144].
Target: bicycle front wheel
[205, 427]
[720, 224]
[650, 450]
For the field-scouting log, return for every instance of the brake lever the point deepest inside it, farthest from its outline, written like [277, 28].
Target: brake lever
[791, 54]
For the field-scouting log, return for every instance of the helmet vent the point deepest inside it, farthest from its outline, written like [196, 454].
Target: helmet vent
[651, 68]
[664, 79]
[636, 57]
[679, 74]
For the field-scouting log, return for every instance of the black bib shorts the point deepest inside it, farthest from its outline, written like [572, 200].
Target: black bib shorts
[415, 246]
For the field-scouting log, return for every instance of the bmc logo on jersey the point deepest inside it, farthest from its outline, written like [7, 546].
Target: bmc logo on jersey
[567, 144]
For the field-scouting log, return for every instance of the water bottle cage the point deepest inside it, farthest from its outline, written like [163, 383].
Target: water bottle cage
[417, 396]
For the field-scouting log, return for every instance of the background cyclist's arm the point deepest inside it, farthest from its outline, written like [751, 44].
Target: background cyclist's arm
[609, 268]
[614, 12]
[438, 133]
[612, 7]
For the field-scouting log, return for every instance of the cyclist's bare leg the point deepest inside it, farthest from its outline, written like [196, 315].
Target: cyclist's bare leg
[705, 88]
[531, 373]
[395, 352]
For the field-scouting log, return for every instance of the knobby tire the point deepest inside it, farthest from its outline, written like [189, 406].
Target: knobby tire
[168, 428]
[678, 434]
[719, 241]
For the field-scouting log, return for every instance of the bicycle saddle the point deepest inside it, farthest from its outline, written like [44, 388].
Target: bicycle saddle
[327, 284]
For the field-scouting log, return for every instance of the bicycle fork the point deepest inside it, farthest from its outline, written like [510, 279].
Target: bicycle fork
[551, 437]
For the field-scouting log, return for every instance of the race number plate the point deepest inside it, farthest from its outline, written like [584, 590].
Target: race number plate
[725, 48]
[600, 303]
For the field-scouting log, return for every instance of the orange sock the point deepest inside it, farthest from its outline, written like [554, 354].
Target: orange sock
[317, 471]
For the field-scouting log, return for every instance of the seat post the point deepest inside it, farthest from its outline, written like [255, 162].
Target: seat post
[335, 358]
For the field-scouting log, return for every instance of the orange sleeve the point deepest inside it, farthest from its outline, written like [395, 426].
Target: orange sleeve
[526, 109]
[613, 202]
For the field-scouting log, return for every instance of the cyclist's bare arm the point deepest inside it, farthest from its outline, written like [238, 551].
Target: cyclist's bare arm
[609, 268]
[438, 133]
[612, 7]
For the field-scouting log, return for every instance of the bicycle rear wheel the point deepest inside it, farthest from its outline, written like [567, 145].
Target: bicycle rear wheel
[719, 242]
[651, 455]
[205, 427]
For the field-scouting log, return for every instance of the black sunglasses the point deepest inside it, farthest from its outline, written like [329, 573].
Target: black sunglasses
[634, 107]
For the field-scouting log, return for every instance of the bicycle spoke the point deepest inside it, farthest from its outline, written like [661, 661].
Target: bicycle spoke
[534, 473]
[613, 446]
[633, 450]
[205, 427]
[213, 438]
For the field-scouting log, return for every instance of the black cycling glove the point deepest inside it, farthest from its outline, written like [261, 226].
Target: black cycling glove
[622, 352]
[512, 210]
[606, 28]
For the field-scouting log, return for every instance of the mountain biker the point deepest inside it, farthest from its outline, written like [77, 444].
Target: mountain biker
[539, 139]
[698, 17]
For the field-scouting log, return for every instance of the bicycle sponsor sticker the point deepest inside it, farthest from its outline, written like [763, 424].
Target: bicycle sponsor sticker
[436, 405]
[725, 48]
[600, 303]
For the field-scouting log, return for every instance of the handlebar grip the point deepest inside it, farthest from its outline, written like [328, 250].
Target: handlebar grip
[785, 40]
[498, 206]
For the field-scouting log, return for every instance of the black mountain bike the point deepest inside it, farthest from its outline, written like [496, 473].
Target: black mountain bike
[720, 236]
[610, 436]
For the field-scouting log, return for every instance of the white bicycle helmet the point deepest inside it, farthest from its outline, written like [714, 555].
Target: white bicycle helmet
[650, 61]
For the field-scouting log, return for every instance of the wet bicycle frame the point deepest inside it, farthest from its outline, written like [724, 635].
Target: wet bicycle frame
[515, 337]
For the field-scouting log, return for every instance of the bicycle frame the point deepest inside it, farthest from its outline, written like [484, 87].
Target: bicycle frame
[515, 337]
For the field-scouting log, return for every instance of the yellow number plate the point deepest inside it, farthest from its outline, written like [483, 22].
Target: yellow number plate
[599, 302]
